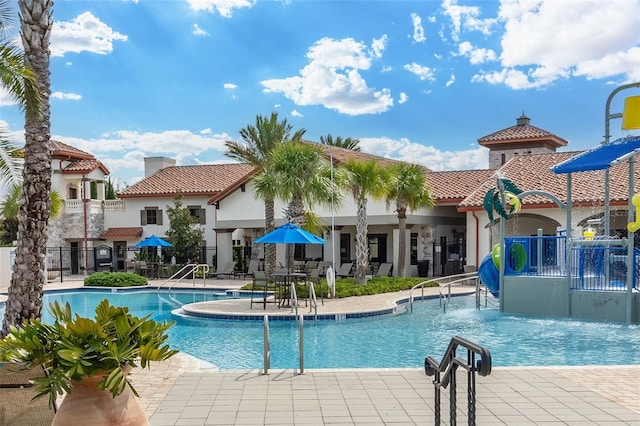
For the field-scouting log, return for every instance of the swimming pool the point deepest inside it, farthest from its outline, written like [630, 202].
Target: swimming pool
[401, 340]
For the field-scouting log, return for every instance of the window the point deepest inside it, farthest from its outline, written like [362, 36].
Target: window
[503, 158]
[198, 213]
[151, 216]
[414, 248]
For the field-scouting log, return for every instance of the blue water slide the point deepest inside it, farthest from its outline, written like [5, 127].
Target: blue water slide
[490, 275]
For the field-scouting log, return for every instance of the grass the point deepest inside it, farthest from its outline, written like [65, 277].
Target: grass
[347, 287]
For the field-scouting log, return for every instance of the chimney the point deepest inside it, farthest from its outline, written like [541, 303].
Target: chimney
[153, 164]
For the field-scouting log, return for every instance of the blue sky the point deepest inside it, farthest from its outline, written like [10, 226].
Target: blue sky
[414, 80]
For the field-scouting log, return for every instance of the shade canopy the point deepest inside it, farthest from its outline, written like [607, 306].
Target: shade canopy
[600, 158]
[153, 241]
[289, 234]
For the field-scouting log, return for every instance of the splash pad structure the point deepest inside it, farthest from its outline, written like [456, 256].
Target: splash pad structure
[584, 276]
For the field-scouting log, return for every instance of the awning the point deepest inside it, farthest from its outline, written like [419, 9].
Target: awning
[600, 158]
[122, 232]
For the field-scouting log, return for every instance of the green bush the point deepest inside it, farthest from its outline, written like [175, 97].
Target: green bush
[114, 279]
[347, 287]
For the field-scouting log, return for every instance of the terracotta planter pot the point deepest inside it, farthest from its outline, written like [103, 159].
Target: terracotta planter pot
[87, 405]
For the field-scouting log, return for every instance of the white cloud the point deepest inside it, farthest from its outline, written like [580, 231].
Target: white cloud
[546, 40]
[197, 31]
[333, 79]
[465, 18]
[230, 86]
[85, 33]
[476, 55]
[223, 7]
[452, 80]
[183, 145]
[418, 31]
[378, 45]
[425, 73]
[66, 96]
[295, 113]
[429, 156]
[403, 98]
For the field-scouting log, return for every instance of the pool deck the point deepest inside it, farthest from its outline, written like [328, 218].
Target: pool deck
[185, 391]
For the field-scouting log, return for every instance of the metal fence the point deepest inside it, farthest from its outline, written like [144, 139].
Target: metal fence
[599, 264]
[64, 263]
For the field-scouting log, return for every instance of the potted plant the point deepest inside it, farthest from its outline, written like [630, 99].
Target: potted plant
[89, 360]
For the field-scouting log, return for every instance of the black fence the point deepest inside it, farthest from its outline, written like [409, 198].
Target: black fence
[66, 262]
[449, 258]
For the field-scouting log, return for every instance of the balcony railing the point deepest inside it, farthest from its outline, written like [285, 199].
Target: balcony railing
[74, 206]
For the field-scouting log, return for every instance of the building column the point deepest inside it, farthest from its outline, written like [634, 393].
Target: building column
[224, 247]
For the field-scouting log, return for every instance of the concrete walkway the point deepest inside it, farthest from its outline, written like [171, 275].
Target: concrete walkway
[184, 391]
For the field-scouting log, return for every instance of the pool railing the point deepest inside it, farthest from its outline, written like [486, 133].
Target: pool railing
[596, 264]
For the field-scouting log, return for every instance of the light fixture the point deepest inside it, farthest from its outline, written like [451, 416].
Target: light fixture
[631, 113]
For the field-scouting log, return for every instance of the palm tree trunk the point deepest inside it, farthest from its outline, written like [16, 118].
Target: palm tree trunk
[270, 225]
[362, 248]
[25, 290]
[402, 242]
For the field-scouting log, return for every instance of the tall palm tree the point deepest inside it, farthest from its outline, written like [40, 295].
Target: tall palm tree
[299, 174]
[25, 291]
[259, 141]
[347, 143]
[409, 190]
[20, 83]
[366, 179]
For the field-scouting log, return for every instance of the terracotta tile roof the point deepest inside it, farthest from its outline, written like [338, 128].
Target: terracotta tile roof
[203, 180]
[59, 149]
[84, 166]
[531, 172]
[122, 232]
[342, 155]
[455, 186]
[521, 132]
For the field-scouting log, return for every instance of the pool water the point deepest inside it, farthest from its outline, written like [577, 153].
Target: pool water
[401, 340]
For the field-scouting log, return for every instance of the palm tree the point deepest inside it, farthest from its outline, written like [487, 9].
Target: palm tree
[347, 143]
[366, 179]
[25, 290]
[259, 141]
[409, 190]
[299, 174]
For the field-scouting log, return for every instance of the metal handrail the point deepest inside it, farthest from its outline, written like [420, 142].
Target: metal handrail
[463, 277]
[444, 299]
[313, 301]
[294, 297]
[192, 268]
[267, 346]
[449, 366]
[301, 325]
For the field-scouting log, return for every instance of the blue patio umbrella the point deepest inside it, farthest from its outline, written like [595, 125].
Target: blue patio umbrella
[290, 234]
[153, 241]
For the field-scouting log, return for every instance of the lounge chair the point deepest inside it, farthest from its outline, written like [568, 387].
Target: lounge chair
[253, 267]
[384, 270]
[345, 270]
[227, 270]
[261, 284]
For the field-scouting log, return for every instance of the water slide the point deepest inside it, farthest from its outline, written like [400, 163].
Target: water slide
[490, 276]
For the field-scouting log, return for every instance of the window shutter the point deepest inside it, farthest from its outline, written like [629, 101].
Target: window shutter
[201, 217]
[143, 217]
[159, 217]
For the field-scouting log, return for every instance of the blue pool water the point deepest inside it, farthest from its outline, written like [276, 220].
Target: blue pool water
[401, 340]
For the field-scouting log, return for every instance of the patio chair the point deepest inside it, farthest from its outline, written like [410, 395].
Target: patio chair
[384, 270]
[253, 267]
[261, 284]
[345, 270]
[323, 266]
[228, 270]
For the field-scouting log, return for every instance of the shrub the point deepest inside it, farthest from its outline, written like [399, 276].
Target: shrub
[114, 279]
